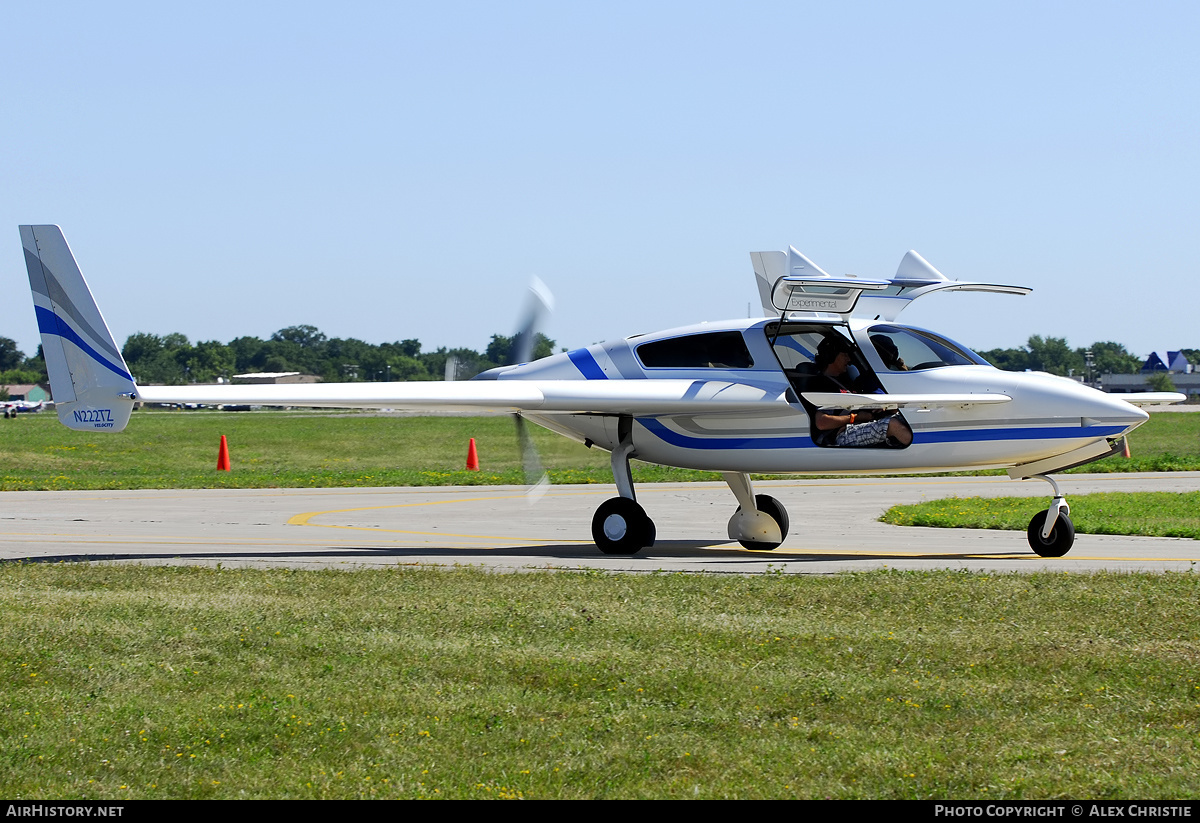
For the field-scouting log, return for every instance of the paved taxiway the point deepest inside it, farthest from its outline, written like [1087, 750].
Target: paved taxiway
[834, 527]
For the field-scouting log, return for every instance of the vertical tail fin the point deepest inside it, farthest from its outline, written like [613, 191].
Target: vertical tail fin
[89, 380]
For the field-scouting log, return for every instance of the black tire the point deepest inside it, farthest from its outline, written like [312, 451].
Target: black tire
[621, 526]
[774, 509]
[1062, 537]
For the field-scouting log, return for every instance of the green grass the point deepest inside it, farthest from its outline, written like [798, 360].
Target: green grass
[144, 682]
[1152, 514]
[291, 450]
[149, 682]
[296, 449]
[1168, 441]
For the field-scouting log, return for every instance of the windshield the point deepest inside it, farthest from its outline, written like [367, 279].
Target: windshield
[903, 348]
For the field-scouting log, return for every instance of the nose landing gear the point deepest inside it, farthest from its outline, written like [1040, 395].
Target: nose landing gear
[1051, 533]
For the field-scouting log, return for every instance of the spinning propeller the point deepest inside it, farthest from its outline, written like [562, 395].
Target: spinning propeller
[540, 303]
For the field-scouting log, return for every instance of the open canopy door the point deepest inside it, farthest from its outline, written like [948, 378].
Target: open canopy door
[803, 290]
[792, 286]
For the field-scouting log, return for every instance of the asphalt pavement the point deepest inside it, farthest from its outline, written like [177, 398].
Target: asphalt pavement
[834, 527]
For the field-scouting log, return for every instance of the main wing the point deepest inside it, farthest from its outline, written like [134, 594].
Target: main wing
[637, 397]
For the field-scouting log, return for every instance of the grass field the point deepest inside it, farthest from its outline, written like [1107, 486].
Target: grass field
[291, 449]
[288, 450]
[1152, 514]
[1168, 441]
[145, 682]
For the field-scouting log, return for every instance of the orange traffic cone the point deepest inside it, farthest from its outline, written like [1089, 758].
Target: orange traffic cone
[472, 457]
[223, 456]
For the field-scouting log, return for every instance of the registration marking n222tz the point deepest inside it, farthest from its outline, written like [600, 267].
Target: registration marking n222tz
[100, 418]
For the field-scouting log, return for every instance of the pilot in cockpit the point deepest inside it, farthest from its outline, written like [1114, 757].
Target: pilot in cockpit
[888, 352]
[842, 427]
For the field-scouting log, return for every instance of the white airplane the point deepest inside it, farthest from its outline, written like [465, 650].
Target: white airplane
[13, 407]
[735, 397]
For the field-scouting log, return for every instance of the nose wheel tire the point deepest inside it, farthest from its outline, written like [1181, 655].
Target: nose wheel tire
[774, 509]
[621, 526]
[1062, 537]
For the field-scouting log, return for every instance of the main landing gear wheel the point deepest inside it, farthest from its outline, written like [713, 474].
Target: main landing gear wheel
[774, 509]
[1062, 537]
[621, 526]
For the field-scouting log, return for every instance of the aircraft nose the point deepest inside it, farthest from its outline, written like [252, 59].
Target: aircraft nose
[1112, 409]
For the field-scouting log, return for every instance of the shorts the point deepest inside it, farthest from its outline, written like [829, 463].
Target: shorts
[871, 433]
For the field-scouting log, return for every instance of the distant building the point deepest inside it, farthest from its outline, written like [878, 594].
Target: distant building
[30, 392]
[1183, 375]
[1189, 384]
[276, 377]
[1173, 363]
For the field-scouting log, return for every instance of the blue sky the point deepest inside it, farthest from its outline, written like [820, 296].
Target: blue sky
[396, 170]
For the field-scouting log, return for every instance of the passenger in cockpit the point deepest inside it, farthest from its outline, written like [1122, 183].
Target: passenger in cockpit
[842, 427]
[888, 353]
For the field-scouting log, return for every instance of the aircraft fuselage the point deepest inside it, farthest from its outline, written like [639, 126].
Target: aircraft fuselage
[1047, 415]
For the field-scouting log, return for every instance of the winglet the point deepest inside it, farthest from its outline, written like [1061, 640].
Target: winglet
[90, 383]
[915, 270]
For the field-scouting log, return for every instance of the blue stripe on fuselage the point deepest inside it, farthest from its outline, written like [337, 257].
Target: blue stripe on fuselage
[51, 323]
[1029, 433]
[686, 441]
[587, 365]
[674, 438]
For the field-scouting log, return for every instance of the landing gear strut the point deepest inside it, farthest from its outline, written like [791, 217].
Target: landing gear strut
[620, 525]
[761, 521]
[1051, 533]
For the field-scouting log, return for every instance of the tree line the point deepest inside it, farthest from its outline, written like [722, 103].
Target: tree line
[172, 359]
[1053, 355]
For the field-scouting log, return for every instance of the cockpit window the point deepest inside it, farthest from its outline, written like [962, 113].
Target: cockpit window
[714, 350]
[908, 349]
[796, 345]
